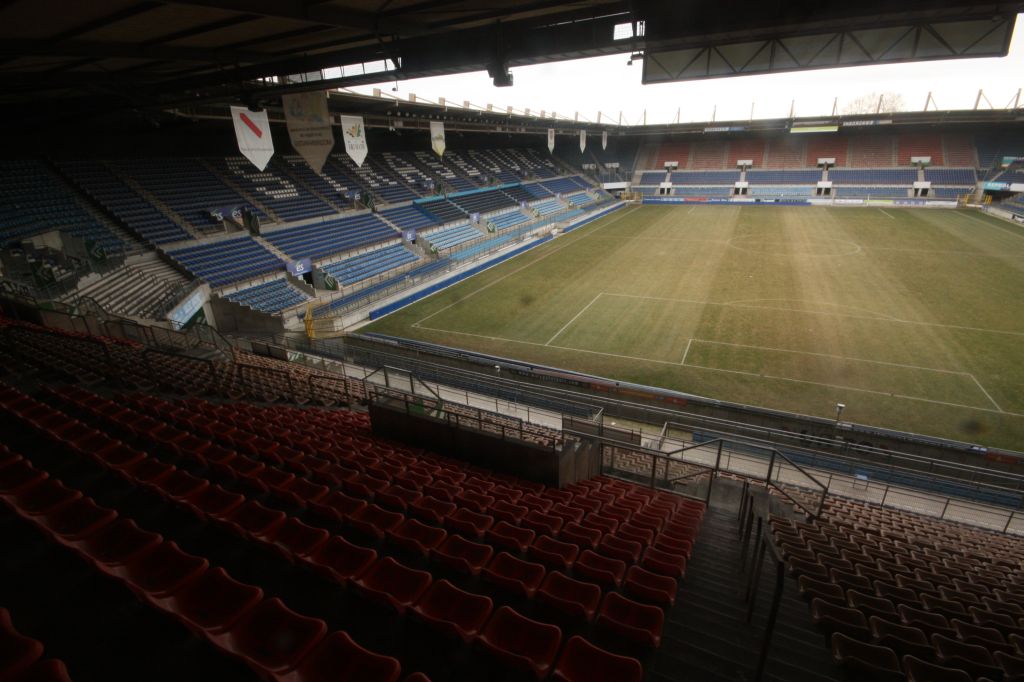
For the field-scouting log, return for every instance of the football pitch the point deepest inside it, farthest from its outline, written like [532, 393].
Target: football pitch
[913, 318]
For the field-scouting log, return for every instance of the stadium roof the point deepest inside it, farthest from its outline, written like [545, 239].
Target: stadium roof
[142, 54]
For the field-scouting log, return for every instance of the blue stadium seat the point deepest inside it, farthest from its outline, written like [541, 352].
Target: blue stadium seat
[269, 297]
[228, 260]
[317, 240]
[366, 265]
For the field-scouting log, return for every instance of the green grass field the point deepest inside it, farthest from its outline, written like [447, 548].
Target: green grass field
[912, 318]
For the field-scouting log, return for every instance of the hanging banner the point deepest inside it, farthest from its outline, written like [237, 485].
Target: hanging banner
[604, 140]
[551, 140]
[437, 137]
[583, 140]
[309, 126]
[354, 134]
[253, 132]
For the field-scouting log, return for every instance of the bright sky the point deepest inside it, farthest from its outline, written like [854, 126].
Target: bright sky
[608, 85]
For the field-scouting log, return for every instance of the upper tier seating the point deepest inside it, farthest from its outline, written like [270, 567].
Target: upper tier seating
[317, 240]
[548, 206]
[137, 213]
[951, 176]
[746, 150]
[366, 265]
[186, 186]
[441, 170]
[874, 176]
[786, 152]
[442, 210]
[537, 190]
[408, 217]
[565, 185]
[227, 260]
[273, 188]
[483, 202]
[374, 178]
[702, 191]
[518, 193]
[652, 178]
[874, 191]
[409, 173]
[269, 297]
[705, 177]
[330, 188]
[827, 147]
[920, 144]
[873, 151]
[783, 177]
[34, 200]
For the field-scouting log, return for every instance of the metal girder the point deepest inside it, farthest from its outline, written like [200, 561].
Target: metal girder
[316, 13]
[107, 50]
[988, 37]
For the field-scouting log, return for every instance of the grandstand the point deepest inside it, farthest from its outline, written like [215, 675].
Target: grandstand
[716, 400]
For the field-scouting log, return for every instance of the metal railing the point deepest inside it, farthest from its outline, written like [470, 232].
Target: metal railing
[763, 546]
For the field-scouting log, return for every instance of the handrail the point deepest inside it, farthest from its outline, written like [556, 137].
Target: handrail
[764, 545]
[768, 481]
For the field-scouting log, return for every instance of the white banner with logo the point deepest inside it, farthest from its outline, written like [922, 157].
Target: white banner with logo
[604, 140]
[583, 140]
[551, 140]
[354, 134]
[437, 137]
[309, 126]
[253, 132]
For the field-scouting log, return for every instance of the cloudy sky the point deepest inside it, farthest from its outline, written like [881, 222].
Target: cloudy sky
[608, 85]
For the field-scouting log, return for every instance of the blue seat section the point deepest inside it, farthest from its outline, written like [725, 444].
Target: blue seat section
[950, 192]
[337, 189]
[186, 186]
[483, 202]
[507, 220]
[647, 191]
[728, 177]
[269, 297]
[273, 188]
[518, 193]
[34, 200]
[788, 191]
[548, 206]
[228, 260]
[702, 191]
[993, 147]
[873, 176]
[453, 236]
[565, 185]
[317, 240]
[783, 177]
[409, 275]
[368, 264]
[652, 178]
[372, 175]
[442, 210]
[1012, 176]
[127, 205]
[409, 217]
[477, 249]
[1014, 205]
[537, 190]
[951, 176]
[883, 192]
[579, 199]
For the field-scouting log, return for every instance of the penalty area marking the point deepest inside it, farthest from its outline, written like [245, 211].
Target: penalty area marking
[887, 214]
[574, 318]
[731, 371]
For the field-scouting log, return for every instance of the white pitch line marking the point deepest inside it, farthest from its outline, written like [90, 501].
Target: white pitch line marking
[985, 222]
[731, 371]
[815, 312]
[531, 263]
[985, 392]
[887, 214]
[575, 317]
[686, 352]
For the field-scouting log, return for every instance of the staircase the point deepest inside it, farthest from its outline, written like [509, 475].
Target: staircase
[707, 638]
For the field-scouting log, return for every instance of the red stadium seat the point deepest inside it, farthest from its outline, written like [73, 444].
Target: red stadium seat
[17, 652]
[117, 543]
[515, 575]
[77, 520]
[416, 537]
[294, 540]
[271, 637]
[520, 642]
[50, 670]
[581, 661]
[503, 510]
[18, 476]
[373, 521]
[397, 497]
[252, 518]
[161, 571]
[339, 560]
[337, 506]
[452, 611]
[394, 584]
[214, 501]
[633, 533]
[469, 523]
[213, 602]
[41, 497]
[607, 573]
[574, 599]
[585, 538]
[602, 523]
[619, 548]
[638, 623]
[507, 536]
[462, 555]
[665, 563]
[542, 523]
[337, 658]
[432, 510]
[553, 553]
[650, 588]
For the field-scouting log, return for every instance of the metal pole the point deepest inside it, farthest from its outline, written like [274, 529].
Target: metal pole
[780, 585]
